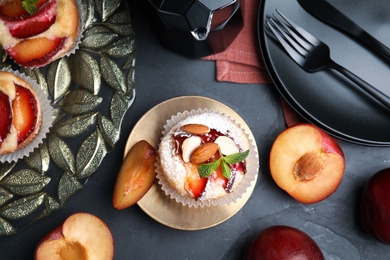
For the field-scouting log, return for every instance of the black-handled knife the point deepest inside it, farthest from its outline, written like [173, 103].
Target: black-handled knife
[326, 12]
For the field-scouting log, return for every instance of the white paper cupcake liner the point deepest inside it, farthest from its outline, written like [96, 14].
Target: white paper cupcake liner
[46, 122]
[237, 193]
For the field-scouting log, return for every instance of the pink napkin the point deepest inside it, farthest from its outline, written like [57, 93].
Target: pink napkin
[241, 61]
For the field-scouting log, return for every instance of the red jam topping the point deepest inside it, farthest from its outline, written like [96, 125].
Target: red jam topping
[210, 137]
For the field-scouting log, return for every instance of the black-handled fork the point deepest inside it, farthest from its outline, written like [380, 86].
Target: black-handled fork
[312, 54]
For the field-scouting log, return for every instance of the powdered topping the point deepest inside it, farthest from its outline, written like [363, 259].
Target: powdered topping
[208, 175]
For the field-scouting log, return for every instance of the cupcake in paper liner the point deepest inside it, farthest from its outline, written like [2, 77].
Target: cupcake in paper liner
[25, 116]
[202, 159]
[51, 31]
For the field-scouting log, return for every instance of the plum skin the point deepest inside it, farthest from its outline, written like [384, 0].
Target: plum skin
[375, 206]
[283, 243]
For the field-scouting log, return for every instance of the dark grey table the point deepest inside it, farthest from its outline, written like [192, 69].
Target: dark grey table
[160, 75]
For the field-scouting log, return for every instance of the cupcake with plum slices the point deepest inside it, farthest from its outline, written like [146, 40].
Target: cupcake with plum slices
[37, 32]
[25, 115]
[202, 159]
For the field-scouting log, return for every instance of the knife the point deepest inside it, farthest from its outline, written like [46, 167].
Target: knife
[327, 13]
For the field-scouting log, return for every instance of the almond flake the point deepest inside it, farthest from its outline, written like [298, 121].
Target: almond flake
[226, 145]
[204, 152]
[188, 147]
[196, 129]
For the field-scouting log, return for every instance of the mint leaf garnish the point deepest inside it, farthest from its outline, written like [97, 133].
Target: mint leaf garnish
[236, 157]
[29, 6]
[225, 170]
[205, 170]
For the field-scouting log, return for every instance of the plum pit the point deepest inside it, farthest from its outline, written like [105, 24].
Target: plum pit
[308, 166]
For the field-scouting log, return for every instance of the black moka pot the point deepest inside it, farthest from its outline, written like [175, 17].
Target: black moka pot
[196, 28]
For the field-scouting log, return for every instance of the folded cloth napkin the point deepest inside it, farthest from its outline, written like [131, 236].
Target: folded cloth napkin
[241, 62]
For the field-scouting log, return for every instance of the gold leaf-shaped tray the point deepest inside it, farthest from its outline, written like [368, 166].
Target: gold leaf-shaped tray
[90, 92]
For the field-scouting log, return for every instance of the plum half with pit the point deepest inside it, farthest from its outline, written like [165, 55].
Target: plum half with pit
[307, 163]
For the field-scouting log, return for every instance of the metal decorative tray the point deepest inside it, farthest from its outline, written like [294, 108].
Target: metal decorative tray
[90, 92]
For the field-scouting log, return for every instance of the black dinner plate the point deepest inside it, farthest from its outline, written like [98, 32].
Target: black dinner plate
[326, 98]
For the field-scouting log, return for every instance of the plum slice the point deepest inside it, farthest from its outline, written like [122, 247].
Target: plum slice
[5, 116]
[27, 26]
[25, 108]
[14, 9]
[194, 184]
[36, 51]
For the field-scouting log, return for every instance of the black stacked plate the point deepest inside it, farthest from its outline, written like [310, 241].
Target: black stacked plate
[326, 98]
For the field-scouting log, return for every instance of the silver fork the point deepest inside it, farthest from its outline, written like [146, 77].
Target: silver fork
[312, 54]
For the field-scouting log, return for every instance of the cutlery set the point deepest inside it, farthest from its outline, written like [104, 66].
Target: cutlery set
[312, 54]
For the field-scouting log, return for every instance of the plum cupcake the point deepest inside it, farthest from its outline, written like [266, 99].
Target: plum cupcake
[25, 115]
[37, 33]
[202, 159]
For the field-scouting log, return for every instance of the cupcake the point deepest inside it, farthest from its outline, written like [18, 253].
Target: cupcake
[35, 34]
[23, 108]
[203, 158]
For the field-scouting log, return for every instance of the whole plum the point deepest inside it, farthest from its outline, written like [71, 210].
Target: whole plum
[283, 243]
[375, 206]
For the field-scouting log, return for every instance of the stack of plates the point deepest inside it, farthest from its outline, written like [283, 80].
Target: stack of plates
[326, 98]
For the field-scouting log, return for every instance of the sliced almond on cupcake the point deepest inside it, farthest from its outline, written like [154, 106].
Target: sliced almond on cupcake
[195, 129]
[189, 146]
[226, 145]
[204, 152]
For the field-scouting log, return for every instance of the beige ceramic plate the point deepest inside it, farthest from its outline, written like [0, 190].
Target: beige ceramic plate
[158, 205]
